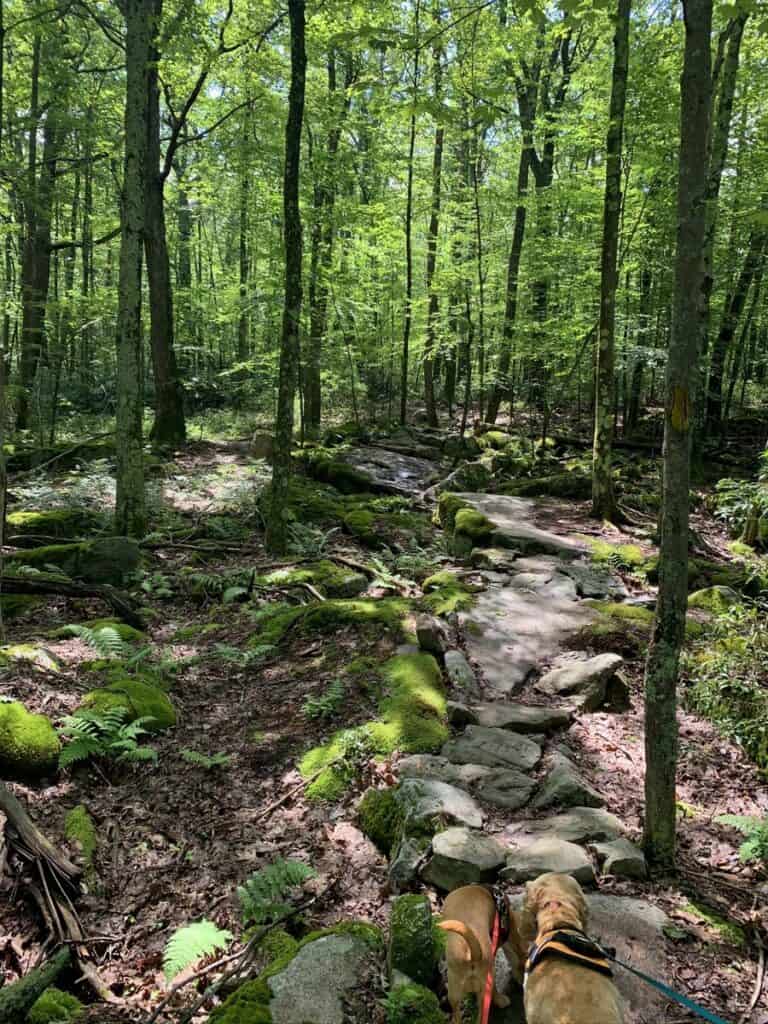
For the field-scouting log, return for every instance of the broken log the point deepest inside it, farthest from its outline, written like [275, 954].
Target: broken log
[38, 586]
[16, 1000]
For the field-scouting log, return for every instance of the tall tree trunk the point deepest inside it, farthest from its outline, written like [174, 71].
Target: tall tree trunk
[409, 230]
[603, 497]
[661, 671]
[243, 342]
[169, 429]
[130, 514]
[741, 349]
[641, 342]
[432, 236]
[277, 523]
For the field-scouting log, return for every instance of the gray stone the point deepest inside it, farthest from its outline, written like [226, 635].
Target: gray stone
[459, 671]
[349, 585]
[506, 788]
[307, 990]
[460, 714]
[564, 787]
[512, 518]
[528, 862]
[595, 581]
[578, 825]
[544, 564]
[405, 862]
[462, 857]
[524, 718]
[431, 635]
[496, 748]
[407, 649]
[381, 470]
[622, 858]
[108, 559]
[584, 682]
[424, 800]
[495, 559]
[432, 766]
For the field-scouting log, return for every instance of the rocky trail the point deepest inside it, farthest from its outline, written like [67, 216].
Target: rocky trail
[483, 724]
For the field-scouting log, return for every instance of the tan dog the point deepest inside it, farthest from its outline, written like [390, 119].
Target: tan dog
[557, 990]
[468, 917]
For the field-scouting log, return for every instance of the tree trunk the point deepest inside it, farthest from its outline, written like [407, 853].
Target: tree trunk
[603, 497]
[747, 332]
[169, 429]
[277, 523]
[409, 230]
[432, 236]
[16, 1000]
[661, 670]
[641, 341]
[130, 515]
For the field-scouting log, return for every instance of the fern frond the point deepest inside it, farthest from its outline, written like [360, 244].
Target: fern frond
[262, 896]
[79, 749]
[194, 757]
[742, 822]
[106, 640]
[135, 753]
[190, 944]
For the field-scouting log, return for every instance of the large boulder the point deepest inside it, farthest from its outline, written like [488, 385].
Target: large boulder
[105, 560]
[584, 682]
[496, 748]
[716, 600]
[565, 787]
[463, 857]
[29, 746]
[528, 862]
[425, 801]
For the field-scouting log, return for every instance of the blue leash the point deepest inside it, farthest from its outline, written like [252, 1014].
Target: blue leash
[670, 993]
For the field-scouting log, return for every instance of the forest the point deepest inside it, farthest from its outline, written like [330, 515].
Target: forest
[383, 501]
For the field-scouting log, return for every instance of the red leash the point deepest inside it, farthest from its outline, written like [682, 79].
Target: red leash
[488, 994]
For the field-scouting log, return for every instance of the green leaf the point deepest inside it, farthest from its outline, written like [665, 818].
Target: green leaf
[190, 944]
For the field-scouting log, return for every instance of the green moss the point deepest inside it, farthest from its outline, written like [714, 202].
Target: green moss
[62, 523]
[195, 631]
[278, 944]
[413, 1004]
[363, 930]
[740, 549]
[627, 556]
[326, 576]
[412, 947]
[55, 1007]
[249, 1004]
[624, 612]
[37, 656]
[64, 557]
[446, 593]
[380, 817]
[627, 625]
[104, 560]
[495, 439]
[717, 600]
[327, 616]
[448, 505]
[139, 697]
[80, 829]
[558, 485]
[14, 605]
[123, 630]
[29, 746]
[729, 931]
[473, 524]
[412, 719]
[360, 523]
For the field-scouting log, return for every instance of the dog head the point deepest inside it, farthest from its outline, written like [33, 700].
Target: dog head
[553, 901]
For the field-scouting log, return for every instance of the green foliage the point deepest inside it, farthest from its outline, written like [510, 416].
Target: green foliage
[380, 817]
[105, 640]
[192, 943]
[473, 524]
[139, 696]
[618, 556]
[412, 934]
[249, 1004]
[755, 848]
[413, 1004]
[55, 1007]
[276, 621]
[263, 896]
[209, 763]
[104, 735]
[328, 704]
[158, 585]
[445, 593]
[79, 829]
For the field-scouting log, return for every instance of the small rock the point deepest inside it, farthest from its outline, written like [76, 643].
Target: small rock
[494, 747]
[584, 681]
[595, 581]
[578, 825]
[459, 671]
[565, 787]
[495, 559]
[431, 636]
[349, 585]
[617, 695]
[407, 649]
[424, 800]
[405, 863]
[506, 788]
[432, 766]
[462, 857]
[459, 714]
[622, 858]
[520, 717]
[528, 862]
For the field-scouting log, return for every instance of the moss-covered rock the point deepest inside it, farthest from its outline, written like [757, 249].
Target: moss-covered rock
[448, 505]
[745, 577]
[55, 1007]
[29, 746]
[273, 622]
[105, 560]
[413, 1004]
[31, 653]
[249, 1004]
[559, 485]
[15, 605]
[360, 523]
[137, 695]
[623, 556]
[446, 592]
[495, 439]
[60, 523]
[626, 628]
[327, 577]
[380, 817]
[412, 947]
[473, 524]
[717, 600]
[81, 832]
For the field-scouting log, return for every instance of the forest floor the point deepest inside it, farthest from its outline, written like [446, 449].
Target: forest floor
[175, 839]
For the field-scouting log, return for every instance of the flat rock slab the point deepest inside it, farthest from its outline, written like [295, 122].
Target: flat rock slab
[433, 766]
[578, 825]
[594, 581]
[390, 471]
[460, 673]
[308, 990]
[523, 718]
[509, 632]
[505, 788]
[513, 522]
[622, 859]
[497, 748]
[495, 559]
[564, 787]
[584, 682]
[462, 857]
[528, 862]
[425, 799]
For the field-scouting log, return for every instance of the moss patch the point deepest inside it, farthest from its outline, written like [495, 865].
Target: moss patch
[29, 746]
[37, 656]
[275, 621]
[626, 627]
[55, 1007]
[473, 524]
[139, 697]
[248, 1005]
[412, 946]
[124, 631]
[447, 593]
[413, 1004]
[326, 576]
[448, 506]
[717, 600]
[728, 931]
[61, 523]
[558, 485]
[380, 817]
[495, 439]
[623, 556]
[81, 831]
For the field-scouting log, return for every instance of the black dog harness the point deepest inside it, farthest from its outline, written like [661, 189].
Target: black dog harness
[570, 945]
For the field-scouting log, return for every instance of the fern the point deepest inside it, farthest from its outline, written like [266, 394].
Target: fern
[263, 897]
[755, 847]
[105, 641]
[218, 760]
[328, 704]
[105, 735]
[191, 943]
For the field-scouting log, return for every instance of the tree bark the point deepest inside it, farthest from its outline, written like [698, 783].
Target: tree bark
[603, 496]
[661, 671]
[17, 1000]
[641, 341]
[409, 231]
[432, 236]
[130, 514]
[277, 523]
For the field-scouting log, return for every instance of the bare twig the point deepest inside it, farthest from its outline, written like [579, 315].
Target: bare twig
[758, 982]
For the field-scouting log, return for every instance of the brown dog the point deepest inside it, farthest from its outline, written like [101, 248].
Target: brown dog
[560, 990]
[468, 917]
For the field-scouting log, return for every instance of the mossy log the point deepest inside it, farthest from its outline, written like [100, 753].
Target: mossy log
[35, 586]
[17, 1000]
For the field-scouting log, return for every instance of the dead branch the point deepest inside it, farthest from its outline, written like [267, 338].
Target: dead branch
[17, 999]
[34, 586]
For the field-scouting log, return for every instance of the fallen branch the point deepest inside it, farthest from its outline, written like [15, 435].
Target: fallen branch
[36, 844]
[758, 983]
[292, 792]
[35, 586]
[16, 1000]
